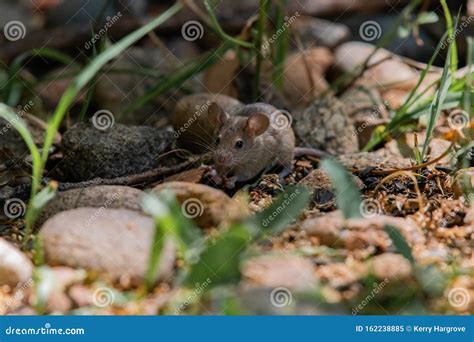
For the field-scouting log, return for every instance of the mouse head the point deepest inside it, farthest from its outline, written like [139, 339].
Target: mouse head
[236, 136]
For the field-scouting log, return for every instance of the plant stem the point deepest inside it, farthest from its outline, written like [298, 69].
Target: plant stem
[449, 26]
[40, 160]
[262, 19]
[220, 32]
[344, 81]
[88, 73]
[281, 46]
[180, 76]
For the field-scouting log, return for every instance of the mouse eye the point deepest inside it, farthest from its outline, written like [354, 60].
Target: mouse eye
[239, 144]
[218, 140]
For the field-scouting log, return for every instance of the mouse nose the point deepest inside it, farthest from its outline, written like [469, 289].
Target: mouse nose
[223, 158]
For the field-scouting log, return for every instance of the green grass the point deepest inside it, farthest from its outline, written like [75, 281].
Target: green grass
[348, 196]
[215, 261]
[82, 79]
[467, 103]
[264, 8]
[11, 91]
[448, 96]
[178, 77]
[220, 32]
[281, 45]
[440, 98]
[404, 18]
[450, 27]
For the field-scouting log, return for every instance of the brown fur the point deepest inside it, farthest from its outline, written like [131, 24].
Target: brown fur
[263, 144]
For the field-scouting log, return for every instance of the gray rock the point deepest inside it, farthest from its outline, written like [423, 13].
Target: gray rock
[115, 242]
[367, 110]
[207, 206]
[382, 158]
[390, 267]
[15, 267]
[12, 144]
[320, 32]
[334, 231]
[101, 196]
[391, 73]
[118, 151]
[304, 75]
[289, 271]
[325, 125]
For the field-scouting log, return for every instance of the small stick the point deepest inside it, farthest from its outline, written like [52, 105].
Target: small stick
[147, 177]
[137, 179]
[411, 168]
[411, 176]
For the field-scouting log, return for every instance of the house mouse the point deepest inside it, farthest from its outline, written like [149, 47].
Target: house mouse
[255, 138]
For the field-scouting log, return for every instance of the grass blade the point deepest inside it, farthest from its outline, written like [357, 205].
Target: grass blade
[220, 32]
[180, 76]
[468, 84]
[348, 196]
[17, 123]
[281, 45]
[17, 64]
[436, 106]
[450, 28]
[399, 242]
[284, 209]
[401, 115]
[262, 23]
[97, 63]
[220, 260]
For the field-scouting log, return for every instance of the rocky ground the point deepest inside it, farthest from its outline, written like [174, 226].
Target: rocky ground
[92, 244]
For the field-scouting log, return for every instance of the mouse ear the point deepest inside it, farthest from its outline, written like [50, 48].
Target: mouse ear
[256, 124]
[216, 115]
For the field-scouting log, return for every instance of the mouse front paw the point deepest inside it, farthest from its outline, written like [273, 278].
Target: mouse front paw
[211, 172]
[217, 179]
[230, 182]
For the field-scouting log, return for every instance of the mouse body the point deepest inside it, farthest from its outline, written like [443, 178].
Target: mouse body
[255, 138]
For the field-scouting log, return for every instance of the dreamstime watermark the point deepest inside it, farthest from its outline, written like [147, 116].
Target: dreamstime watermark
[377, 288]
[103, 296]
[109, 22]
[198, 289]
[18, 296]
[192, 30]
[47, 329]
[370, 30]
[287, 21]
[199, 110]
[375, 115]
[103, 119]
[14, 208]
[101, 210]
[469, 199]
[281, 297]
[192, 208]
[21, 110]
[458, 297]
[448, 220]
[470, 154]
[280, 119]
[458, 119]
[288, 198]
[457, 32]
[370, 208]
[14, 30]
